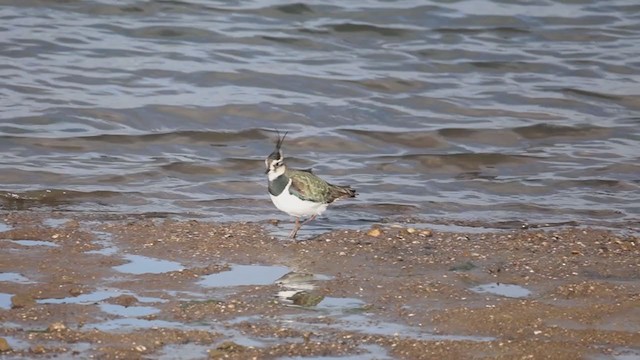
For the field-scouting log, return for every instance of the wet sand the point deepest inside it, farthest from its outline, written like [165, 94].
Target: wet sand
[111, 287]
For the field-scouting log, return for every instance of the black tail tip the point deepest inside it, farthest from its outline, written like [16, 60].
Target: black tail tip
[352, 192]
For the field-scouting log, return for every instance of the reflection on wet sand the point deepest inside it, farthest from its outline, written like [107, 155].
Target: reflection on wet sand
[235, 290]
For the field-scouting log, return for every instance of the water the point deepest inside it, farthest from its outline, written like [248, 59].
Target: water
[16, 344]
[333, 304]
[139, 264]
[128, 311]
[358, 322]
[188, 351]
[242, 275]
[294, 282]
[53, 222]
[5, 301]
[128, 324]
[14, 278]
[497, 112]
[371, 352]
[96, 297]
[508, 290]
[105, 240]
[4, 227]
[34, 243]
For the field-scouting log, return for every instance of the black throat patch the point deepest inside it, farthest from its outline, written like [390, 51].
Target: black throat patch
[276, 187]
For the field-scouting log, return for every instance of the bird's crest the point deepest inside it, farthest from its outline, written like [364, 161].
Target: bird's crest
[277, 153]
[280, 139]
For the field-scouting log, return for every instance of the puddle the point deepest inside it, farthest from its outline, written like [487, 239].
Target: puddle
[15, 278]
[130, 311]
[241, 338]
[4, 227]
[349, 314]
[341, 304]
[241, 275]
[619, 353]
[95, 297]
[508, 290]
[191, 351]
[363, 324]
[300, 280]
[332, 305]
[19, 345]
[16, 343]
[127, 324]
[146, 265]
[54, 223]
[5, 301]
[34, 243]
[105, 240]
[183, 352]
[294, 278]
[626, 354]
[372, 352]
[181, 295]
[294, 282]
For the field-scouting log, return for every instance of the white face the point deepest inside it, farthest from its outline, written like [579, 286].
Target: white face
[275, 166]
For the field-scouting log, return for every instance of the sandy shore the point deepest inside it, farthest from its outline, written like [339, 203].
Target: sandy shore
[109, 287]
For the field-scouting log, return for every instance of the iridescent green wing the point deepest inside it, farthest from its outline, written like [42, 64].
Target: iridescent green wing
[307, 186]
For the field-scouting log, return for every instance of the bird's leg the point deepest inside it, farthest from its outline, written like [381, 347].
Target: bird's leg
[294, 232]
[299, 225]
[313, 217]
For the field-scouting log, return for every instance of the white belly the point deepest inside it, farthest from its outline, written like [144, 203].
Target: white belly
[296, 207]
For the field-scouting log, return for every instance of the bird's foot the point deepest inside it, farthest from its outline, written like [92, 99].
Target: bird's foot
[296, 227]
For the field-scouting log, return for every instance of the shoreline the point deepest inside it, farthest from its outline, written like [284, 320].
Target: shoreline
[111, 287]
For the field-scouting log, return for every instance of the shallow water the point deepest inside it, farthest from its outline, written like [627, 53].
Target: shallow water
[34, 243]
[5, 301]
[497, 112]
[14, 278]
[507, 290]
[243, 275]
[146, 265]
[95, 297]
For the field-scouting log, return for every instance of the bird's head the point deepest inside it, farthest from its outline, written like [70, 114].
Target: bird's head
[275, 161]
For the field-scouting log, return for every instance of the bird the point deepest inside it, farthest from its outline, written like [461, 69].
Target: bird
[300, 193]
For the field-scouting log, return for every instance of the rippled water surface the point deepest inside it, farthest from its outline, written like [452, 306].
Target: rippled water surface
[488, 112]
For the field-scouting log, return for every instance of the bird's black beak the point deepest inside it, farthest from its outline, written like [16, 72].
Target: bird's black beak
[266, 171]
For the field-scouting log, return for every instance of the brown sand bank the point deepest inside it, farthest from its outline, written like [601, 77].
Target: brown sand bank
[109, 287]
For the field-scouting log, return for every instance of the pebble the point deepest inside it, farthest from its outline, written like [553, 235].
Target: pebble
[38, 349]
[22, 300]
[75, 291]
[125, 300]
[426, 233]
[304, 298]
[56, 326]
[230, 347]
[4, 345]
[375, 232]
